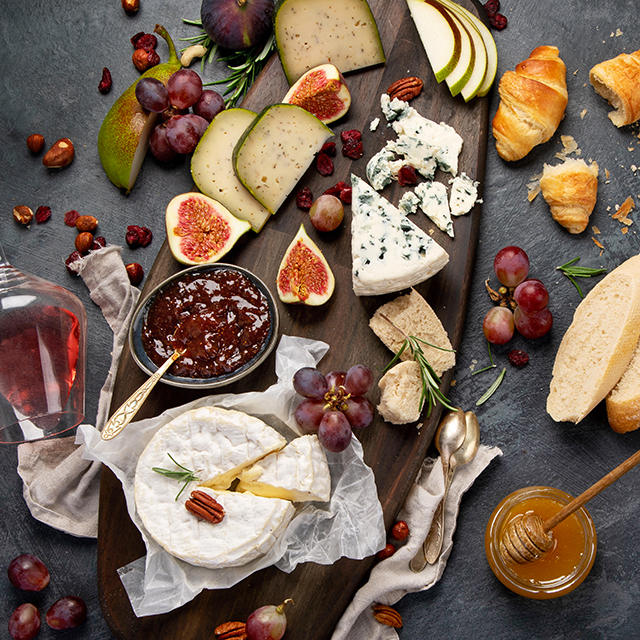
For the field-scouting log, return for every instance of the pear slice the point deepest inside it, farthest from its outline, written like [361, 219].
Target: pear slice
[439, 34]
[489, 43]
[212, 167]
[459, 77]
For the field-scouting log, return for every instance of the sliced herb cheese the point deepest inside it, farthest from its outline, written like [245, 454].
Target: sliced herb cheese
[313, 32]
[275, 150]
[212, 167]
[389, 252]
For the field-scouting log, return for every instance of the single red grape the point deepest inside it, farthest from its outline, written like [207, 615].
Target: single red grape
[534, 325]
[310, 383]
[309, 413]
[28, 573]
[24, 623]
[267, 623]
[358, 380]
[360, 412]
[66, 613]
[209, 105]
[335, 379]
[498, 325]
[334, 431]
[185, 88]
[326, 213]
[511, 265]
[531, 296]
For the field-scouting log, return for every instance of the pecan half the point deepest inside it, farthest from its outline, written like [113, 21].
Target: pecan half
[405, 89]
[387, 615]
[231, 631]
[204, 506]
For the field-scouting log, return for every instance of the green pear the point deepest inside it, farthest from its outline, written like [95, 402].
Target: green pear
[124, 135]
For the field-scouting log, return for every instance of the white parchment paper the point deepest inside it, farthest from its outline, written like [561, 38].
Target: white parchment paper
[350, 525]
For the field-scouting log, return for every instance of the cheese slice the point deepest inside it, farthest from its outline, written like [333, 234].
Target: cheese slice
[313, 32]
[434, 203]
[275, 151]
[212, 167]
[389, 252]
[299, 472]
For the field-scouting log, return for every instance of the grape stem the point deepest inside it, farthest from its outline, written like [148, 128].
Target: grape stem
[430, 380]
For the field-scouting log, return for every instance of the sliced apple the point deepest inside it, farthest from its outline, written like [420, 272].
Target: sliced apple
[487, 38]
[439, 34]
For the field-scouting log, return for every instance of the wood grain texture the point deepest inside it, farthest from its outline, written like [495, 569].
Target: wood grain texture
[321, 593]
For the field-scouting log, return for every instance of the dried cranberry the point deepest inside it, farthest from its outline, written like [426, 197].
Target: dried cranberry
[70, 218]
[104, 85]
[304, 199]
[518, 358]
[137, 236]
[135, 273]
[491, 7]
[74, 257]
[146, 41]
[407, 175]
[345, 195]
[98, 243]
[324, 164]
[498, 22]
[43, 214]
[336, 189]
[329, 148]
[351, 134]
[387, 552]
[352, 149]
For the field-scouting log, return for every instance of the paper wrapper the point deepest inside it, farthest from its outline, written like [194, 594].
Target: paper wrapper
[350, 525]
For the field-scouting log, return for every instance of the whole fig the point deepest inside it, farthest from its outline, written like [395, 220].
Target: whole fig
[237, 24]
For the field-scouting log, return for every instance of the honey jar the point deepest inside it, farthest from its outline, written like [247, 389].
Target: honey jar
[567, 563]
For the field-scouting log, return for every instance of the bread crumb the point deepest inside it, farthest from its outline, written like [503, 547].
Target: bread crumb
[618, 33]
[597, 243]
[583, 113]
[623, 211]
[624, 229]
[596, 231]
[569, 146]
[606, 173]
[533, 187]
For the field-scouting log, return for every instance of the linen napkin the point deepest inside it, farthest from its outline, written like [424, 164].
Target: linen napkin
[392, 578]
[60, 488]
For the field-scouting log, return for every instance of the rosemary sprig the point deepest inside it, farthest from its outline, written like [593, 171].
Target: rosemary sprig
[185, 476]
[572, 272]
[430, 380]
[245, 65]
[492, 389]
[491, 366]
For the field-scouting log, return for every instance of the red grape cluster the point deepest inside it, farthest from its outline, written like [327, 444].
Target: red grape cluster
[334, 404]
[527, 296]
[179, 130]
[29, 573]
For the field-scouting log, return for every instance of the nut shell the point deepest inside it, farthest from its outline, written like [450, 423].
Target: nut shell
[60, 155]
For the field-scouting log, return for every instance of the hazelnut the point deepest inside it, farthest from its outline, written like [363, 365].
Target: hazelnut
[135, 273]
[86, 223]
[35, 143]
[144, 60]
[84, 241]
[22, 214]
[130, 6]
[60, 155]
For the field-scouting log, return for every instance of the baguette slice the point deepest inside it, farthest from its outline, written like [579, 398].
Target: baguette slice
[598, 345]
[623, 402]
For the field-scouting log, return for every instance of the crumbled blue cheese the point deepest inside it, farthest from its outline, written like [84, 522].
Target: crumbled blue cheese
[383, 168]
[389, 252]
[417, 153]
[464, 194]
[433, 202]
[373, 125]
[408, 203]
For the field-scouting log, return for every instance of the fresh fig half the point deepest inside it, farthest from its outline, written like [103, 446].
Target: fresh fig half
[321, 91]
[200, 230]
[237, 24]
[304, 275]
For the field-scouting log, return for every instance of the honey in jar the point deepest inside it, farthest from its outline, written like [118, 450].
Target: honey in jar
[566, 564]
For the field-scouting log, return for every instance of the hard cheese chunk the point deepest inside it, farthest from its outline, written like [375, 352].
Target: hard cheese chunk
[212, 167]
[312, 32]
[299, 472]
[276, 150]
[389, 252]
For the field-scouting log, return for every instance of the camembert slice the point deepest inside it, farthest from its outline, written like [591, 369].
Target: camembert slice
[299, 473]
[389, 252]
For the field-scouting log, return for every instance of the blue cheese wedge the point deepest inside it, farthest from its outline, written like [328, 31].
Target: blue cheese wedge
[405, 120]
[389, 252]
[464, 194]
[275, 150]
[434, 203]
[299, 473]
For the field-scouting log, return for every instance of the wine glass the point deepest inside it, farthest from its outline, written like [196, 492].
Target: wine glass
[43, 330]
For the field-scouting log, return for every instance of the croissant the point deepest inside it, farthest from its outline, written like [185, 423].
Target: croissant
[618, 80]
[532, 103]
[570, 190]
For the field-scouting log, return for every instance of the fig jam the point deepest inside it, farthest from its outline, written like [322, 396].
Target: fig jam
[220, 318]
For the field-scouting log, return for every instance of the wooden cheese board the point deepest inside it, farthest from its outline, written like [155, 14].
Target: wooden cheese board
[395, 453]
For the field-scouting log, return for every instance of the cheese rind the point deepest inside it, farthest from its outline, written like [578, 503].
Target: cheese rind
[389, 252]
[275, 150]
[212, 167]
[313, 32]
[299, 473]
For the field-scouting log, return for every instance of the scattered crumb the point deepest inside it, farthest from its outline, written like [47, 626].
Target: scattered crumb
[583, 113]
[595, 230]
[452, 383]
[606, 173]
[533, 187]
[633, 168]
[624, 230]
[623, 211]
[609, 208]
[618, 33]
[374, 124]
[630, 148]
[597, 243]
[569, 146]
[575, 73]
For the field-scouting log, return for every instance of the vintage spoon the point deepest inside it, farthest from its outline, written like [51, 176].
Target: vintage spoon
[528, 538]
[187, 334]
[449, 437]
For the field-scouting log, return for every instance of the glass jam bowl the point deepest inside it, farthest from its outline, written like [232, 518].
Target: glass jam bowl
[568, 562]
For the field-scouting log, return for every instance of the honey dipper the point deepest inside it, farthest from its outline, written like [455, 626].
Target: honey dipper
[528, 538]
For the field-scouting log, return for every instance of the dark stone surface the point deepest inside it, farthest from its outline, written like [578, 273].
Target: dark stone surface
[51, 61]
